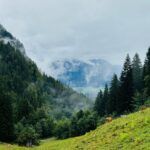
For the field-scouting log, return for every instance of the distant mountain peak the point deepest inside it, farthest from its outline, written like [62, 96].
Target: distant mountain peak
[80, 73]
[98, 61]
[89, 74]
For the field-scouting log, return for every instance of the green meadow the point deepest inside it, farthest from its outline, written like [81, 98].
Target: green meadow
[131, 132]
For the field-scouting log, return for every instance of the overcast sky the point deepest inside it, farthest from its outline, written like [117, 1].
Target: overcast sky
[54, 29]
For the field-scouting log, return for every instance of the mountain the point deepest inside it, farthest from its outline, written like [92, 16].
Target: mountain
[29, 87]
[82, 75]
[6, 37]
[128, 132]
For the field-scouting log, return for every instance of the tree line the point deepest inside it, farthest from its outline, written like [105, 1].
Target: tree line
[128, 92]
[123, 95]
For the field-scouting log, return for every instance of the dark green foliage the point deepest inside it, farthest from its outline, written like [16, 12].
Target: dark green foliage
[27, 136]
[126, 94]
[83, 122]
[34, 102]
[62, 129]
[30, 97]
[113, 95]
[147, 103]
[45, 127]
[130, 92]
[138, 100]
[79, 124]
[147, 74]
[99, 104]
[106, 99]
[125, 102]
[102, 99]
[6, 112]
[137, 72]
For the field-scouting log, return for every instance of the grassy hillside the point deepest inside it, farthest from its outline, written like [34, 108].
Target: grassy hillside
[126, 133]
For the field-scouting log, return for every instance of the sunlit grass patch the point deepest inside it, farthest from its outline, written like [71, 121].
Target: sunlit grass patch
[127, 133]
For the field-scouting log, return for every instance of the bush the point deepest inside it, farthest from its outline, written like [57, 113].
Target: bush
[79, 124]
[83, 122]
[62, 129]
[45, 127]
[27, 136]
[147, 103]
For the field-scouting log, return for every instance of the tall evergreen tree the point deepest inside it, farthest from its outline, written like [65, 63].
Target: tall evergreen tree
[6, 114]
[146, 74]
[99, 105]
[138, 100]
[106, 98]
[126, 88]
[137, 73]
[113, 95]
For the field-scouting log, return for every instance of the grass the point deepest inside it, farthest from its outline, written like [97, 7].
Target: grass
[131, 132]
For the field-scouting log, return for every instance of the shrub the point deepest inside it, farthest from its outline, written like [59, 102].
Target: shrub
[147, 103]
[45, 127]
[62, 129]
[27, 136]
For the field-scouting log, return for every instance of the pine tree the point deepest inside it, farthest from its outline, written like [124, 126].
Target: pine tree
[138, 100]
[113, 95]
[6, 115]
[106, 98]
[126, 88]
[137, 73]
[99, 104]
[146, 74]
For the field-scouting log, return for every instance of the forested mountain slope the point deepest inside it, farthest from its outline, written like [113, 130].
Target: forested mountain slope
[29, 97]
[24, 77]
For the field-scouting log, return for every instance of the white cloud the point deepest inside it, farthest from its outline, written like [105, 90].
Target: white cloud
[53, 29]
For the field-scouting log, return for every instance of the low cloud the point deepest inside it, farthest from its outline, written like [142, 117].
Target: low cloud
[82, 29]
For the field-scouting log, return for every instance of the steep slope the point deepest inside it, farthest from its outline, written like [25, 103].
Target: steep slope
[6, 37]
[129, 132]
[27, 83]
[126, 133]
